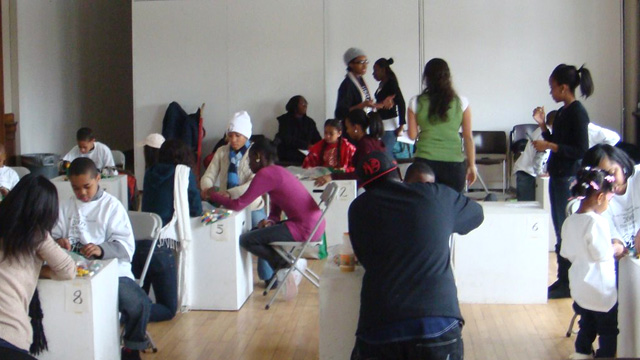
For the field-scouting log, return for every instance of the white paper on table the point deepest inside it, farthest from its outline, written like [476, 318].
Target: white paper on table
[305, 152]
[404, 138]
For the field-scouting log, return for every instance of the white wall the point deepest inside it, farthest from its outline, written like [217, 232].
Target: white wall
[254, 55]
[231, 55]
[70, 67]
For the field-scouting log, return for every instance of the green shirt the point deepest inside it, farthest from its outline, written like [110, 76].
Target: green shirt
[439, 140]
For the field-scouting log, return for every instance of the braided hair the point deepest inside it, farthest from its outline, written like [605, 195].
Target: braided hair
[592, 181]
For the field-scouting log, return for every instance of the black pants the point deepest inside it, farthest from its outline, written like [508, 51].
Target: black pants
[447, 346]
[592, 323]
[452, 174]
[257, 242]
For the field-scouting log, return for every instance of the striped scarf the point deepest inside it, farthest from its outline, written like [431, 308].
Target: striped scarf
[234, 159]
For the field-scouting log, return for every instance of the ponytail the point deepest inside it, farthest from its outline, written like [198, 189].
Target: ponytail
[568, 75]
[592, 181]
[386, 65]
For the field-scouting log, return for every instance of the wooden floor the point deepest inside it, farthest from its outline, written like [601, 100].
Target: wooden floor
[289, 330]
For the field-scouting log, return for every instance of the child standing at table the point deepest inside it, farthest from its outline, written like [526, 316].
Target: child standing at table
[8, 177]
[333, 151]
[90, 148]
[592, 275]
[27, 215]
[96, 224]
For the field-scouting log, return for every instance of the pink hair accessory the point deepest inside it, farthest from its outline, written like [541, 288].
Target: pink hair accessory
[594, 185]
[610, 178]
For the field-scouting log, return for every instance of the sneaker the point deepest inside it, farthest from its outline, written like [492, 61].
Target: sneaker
[301, 265]
[561, 291]
[129, 354]
[578, 355]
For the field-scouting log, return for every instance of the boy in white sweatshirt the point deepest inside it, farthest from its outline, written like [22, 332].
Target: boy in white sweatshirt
[95, 224]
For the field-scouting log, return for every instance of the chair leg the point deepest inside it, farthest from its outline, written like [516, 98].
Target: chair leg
[152, 344]
[573, 320]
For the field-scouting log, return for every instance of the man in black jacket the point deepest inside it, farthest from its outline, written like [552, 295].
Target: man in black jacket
[400, 234]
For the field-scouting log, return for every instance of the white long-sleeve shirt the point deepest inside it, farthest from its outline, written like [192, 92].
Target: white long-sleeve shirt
[103, 220]
[101, 155]
[8, 177]
[623, 212]
[586, 243]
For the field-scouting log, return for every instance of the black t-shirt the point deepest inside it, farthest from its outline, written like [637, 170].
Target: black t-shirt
[400, 233]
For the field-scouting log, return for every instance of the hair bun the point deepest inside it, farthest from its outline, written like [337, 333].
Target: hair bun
[390, 61]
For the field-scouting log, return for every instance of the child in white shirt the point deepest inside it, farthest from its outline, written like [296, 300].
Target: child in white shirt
[96, 224]
[592, 276]
[8, 177]
[90, 148]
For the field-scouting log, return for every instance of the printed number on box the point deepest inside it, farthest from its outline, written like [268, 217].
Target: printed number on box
[77, 298]
[218, 232]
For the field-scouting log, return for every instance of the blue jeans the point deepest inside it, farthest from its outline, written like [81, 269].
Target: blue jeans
[257, 242]
[447, 346]
[525, 186]
[594, 323]
[162, 274]
[10, 351]
[265, 272]
[559, 194]
[389, 139]
[135, 306]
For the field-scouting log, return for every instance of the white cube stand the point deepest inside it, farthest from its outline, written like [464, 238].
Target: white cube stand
[221, 274]
[81, 316]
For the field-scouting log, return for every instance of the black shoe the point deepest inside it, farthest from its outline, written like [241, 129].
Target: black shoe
[129, 354]
[560, 291]
[275, 284]
[555, 285]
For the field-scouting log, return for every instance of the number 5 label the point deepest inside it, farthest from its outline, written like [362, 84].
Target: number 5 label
[218, 232]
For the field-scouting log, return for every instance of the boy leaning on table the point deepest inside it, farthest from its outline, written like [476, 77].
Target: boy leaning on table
[96, 224]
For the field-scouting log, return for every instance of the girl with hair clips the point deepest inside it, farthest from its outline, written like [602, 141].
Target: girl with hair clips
[568, 144]
[287, 195]
[333, 151]
[357, 123]
[27, 215]
[587, 245]
[354, 93]
[296, 131]
[390, 103]
[434, 120]
[623, 212]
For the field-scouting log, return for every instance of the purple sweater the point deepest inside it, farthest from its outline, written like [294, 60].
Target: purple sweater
[286, 194]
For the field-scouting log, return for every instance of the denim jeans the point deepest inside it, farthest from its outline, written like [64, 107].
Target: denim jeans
[162, 274]
[593, 323]
[265, 272]
[389, 139]
[257, 242]
[447, 346]
[10, 351]
[525, 186]
[135, 306]
[559, 194]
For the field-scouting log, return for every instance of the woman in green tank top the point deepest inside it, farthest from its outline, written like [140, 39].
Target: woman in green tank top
[434, 120]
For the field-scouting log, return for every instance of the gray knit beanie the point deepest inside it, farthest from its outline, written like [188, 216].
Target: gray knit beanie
[351, 54]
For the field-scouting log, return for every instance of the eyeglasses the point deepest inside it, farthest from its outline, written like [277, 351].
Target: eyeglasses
[361, 62]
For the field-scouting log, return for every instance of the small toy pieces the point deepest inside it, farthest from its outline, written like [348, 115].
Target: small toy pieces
[109, 171]
[214, 215]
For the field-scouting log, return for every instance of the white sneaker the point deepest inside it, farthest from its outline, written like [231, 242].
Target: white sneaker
[580, 356]
[301, 264]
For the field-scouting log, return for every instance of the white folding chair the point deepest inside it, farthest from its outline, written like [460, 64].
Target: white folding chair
[572, 207]
[118, 158]
[21, 170]
[146, 226]
[291, 251]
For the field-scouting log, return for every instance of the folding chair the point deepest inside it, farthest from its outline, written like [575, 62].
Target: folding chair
[291, 251]
[492, 143]
[118, 158]
[146, 226]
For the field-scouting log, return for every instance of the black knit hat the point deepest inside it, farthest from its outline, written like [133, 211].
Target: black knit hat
[374, 165]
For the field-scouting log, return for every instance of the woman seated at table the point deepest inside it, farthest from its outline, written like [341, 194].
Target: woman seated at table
[230, 168]
[296, 131]
[287, 195]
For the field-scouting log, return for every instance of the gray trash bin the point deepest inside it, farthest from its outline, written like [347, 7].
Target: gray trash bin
[41, 164]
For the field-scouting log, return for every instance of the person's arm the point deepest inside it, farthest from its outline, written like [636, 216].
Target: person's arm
[402, 110]
[108, 157]
[119, 241]
[600, 135]
[579, 137]
[195, 205]
[313, 158]
[344, 100]
[412, 120]
[275, 213]
[261, 183]
[71, 155]
[469, 147]
[210, 176]
[60, 265]
[599, 245]
[468, 214]
[362, 246]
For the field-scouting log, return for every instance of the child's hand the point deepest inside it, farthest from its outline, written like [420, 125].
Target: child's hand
[91, 251]
[322, 180]
[4, 191]
[204, 194]
[264, 223]
[64, 243]
[619, 250]
[538, 115]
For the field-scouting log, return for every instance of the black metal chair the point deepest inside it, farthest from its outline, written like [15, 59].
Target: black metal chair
[491, 149]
